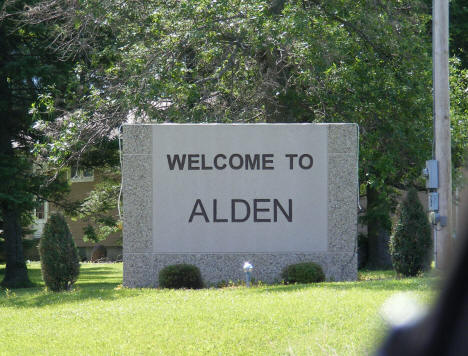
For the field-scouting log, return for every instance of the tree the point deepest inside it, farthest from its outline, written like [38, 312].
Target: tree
[254, 61]
[98, 209]
[458, 114]
[458, 24]
[26, 67]
[411, 243]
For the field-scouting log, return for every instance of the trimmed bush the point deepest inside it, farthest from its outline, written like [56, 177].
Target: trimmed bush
[60, 265]
[180, 276]
[411, 241]
[306, 272]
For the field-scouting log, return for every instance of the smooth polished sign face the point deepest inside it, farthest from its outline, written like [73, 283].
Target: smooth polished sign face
[240, 188]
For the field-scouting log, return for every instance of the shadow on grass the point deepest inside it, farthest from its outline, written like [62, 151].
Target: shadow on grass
[89, 275]
[99, 274]
[103, 282]
[378, 280]
[396, 285]
[38, 297]
[94, 283]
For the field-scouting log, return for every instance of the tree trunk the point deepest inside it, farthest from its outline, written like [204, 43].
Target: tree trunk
[378, 232]
[16, 274]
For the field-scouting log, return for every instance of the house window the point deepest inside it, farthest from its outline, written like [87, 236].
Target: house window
[81, 174]
[41, 211]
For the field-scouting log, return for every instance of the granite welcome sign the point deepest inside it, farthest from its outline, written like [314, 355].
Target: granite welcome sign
[217, 195]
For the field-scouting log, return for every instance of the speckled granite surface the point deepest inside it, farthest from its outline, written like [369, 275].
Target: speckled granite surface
[142, 265]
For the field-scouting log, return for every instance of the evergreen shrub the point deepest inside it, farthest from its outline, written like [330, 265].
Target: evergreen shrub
[60, 264]
[411, 241]
[305, 272]
[180, 276]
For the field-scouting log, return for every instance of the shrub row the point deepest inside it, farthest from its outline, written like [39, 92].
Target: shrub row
[189, 276]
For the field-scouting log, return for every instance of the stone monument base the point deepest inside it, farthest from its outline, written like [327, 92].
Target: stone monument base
[142, 269]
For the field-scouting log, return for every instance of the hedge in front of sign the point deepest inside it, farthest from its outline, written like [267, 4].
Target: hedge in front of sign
[180, 276]
[305, 272]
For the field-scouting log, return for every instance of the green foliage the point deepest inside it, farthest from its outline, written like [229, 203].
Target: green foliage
[26, 221]
[458, 22]
[366, 62]
[411, 242]
[30, 243]
[27, 67]
[306, 272]
[458, 27]
[31, 249]
[180, 276]
[458, 112]
[59, 257]
[98, 210]
[362, 61]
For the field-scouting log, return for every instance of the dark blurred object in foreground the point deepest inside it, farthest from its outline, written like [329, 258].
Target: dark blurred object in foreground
[444, 331]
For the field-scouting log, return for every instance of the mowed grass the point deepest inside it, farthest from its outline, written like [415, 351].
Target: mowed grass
[100, 317]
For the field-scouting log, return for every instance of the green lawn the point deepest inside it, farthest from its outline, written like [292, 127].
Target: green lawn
[101, 318]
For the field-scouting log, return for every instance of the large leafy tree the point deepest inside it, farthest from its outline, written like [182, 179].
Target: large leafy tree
[458, 115]
[26, 68]
[362, 61]
[458, 24]
[458, 27]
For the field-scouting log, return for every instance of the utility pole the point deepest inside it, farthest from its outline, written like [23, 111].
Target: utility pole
[442, 141]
